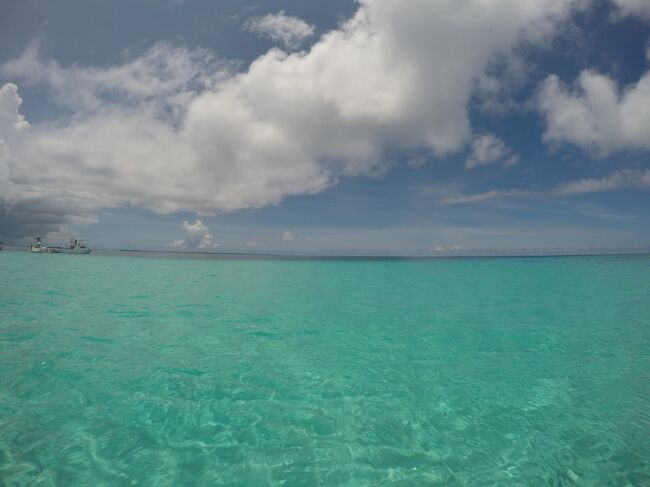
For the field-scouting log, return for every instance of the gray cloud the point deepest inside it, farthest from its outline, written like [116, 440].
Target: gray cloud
[38, 217]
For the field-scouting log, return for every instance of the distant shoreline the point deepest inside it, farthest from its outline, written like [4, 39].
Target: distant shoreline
[326, 256]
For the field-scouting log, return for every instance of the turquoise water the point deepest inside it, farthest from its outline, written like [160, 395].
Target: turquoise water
[136, 371]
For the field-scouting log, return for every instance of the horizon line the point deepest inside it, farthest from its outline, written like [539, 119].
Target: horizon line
[477, 253]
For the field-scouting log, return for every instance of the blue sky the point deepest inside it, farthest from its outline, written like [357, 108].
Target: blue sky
[409, 127]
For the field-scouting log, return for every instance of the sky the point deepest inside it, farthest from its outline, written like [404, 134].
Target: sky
[409, 127]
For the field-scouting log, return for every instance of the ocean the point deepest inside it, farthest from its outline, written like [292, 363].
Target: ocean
[167, 371]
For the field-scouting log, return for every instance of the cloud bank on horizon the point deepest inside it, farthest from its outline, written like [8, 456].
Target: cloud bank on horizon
[180, 130]
[197, 235]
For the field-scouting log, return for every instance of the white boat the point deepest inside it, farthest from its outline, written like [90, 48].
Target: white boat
[75, 246]
[37, 246]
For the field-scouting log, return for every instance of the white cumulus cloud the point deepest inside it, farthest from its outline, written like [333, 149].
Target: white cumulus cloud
[290, 31]
[174, 130]
[489, 149]
[596, 115]
[197, 235]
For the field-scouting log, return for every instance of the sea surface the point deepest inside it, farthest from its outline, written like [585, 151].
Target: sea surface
[167, 371]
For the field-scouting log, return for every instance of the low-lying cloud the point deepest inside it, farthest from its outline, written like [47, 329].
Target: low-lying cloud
[197, 236]
[615, 180]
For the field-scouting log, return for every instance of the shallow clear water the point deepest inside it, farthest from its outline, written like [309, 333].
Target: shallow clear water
[123, 371]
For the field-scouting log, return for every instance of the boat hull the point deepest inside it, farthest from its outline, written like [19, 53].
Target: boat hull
[57, 250]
